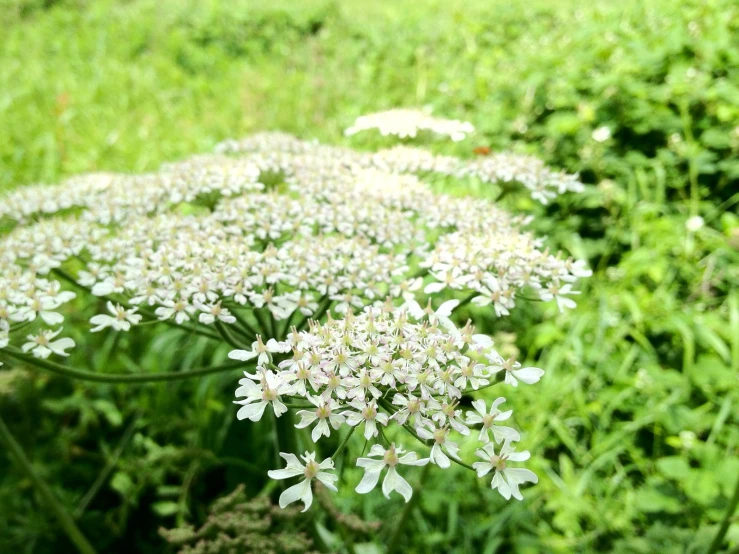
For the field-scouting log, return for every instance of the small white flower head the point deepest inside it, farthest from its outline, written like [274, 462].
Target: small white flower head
[694, 223]
[505, 479]
[514, 372]
[259, 350]
[41, 345]
[267, 391]
[379, 459]
[405, 123]
[311, 470]
[489, 420]
[601, 134]
[120, 320]
[325, 414]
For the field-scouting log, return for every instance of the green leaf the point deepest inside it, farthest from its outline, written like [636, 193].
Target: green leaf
[651, 500]
[165, 508]
[122, 483]
[674, 467]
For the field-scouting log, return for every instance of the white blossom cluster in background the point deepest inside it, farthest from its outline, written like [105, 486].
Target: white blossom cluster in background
[253, 250]
[543, 183]
[406, 123]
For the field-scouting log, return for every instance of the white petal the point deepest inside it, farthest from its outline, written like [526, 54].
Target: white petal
[301, 491]
[369, 479]
[500, 484]
[242, 355]
[521, 475]
[328, 479]
[439, 458]
[502, 433]
[52, 318]
[410, 459]
[445, 310]
[478, 405]
[519, 456]
[252, 412]
[397, 483]
[528, 375]
[284, 473]
[370, 464]
[434, 287]
[482, 468]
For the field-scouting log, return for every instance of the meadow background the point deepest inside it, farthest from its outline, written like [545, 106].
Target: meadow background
[633, 430]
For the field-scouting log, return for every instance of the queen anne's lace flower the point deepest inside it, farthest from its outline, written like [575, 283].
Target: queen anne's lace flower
[120, 320]
[407, 124]
[311, 470]
[42, 346]
[505, 479]
[379, 459]
[337, 277]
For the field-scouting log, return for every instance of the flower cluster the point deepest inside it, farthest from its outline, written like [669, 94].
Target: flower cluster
[388, 370]
[279, 151]
[405, 123]
[257, 244]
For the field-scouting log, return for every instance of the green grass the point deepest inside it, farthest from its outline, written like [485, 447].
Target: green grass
[634, 429]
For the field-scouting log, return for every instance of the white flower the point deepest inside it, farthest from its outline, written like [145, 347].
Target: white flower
[121, 320]
[324, 413]
[560, 295]
[441, 439]
[268, 391]
[488, 420]
[311, 470]
[42, 347]
[505, 479]
[389, 458]
[440, 315]
[514, 372]
[258, 348]
[180, 309]
[601, 134]
[369, 414]
[694, 224]
[42, 306]
[211, 313]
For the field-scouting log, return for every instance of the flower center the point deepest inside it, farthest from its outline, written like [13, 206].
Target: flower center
[487, 419]
[391, 457]
[311, 470]
[498, 462]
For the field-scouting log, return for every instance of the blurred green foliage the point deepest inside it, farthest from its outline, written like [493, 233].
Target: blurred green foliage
[634, 428]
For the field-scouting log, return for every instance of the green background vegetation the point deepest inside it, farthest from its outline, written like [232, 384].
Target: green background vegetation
[634, 428]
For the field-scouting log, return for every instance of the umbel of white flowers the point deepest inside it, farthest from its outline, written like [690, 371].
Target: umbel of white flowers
[388, 367]
[256, 245]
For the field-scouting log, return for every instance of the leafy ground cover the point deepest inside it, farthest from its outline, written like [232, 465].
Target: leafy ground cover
[635, 422]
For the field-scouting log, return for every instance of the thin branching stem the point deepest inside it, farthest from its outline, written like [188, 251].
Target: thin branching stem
[66, 371]
[343, 444]
[62, 515]
[725, 522]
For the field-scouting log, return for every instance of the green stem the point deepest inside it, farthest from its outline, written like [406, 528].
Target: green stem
[109, 467]
[467, 300]
[724, 527]
[343, 443]
[59, 369]
[247, 329]
[62, 515]
[227, 336]
[263, 328]
[286, 435]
